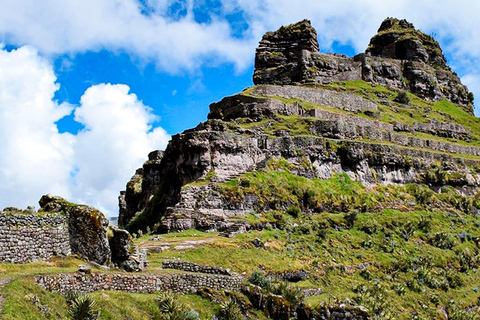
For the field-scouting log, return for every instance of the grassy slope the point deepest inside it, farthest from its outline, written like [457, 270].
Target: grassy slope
[421, 257]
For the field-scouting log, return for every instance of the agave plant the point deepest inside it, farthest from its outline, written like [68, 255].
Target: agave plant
[172, 309]
[81, 306]
[230, 310]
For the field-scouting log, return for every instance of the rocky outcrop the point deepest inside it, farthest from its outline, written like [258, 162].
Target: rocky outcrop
[125, 254]
[91, 237]
[87, 228]
[398, 56]
[141, 187]
[278, 54]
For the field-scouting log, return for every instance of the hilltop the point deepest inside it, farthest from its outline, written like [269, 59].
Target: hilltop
[395, 114]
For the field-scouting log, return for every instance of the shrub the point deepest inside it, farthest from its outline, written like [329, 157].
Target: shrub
[467, 259]
[425, 224]
[294, 211]
[402, 97]
[230, 310]
[442, 240]
[172, 309]
[370, 227]
[81, 306]
[458, 312]
[350, 218]
[407, 230]
[258, 278]
[289, 292]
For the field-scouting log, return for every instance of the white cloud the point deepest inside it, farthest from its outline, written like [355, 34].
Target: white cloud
[34, 157]
[89, 168]
[116, 139]
[75, 26]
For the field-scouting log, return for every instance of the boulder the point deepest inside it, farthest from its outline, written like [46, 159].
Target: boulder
[91, 237]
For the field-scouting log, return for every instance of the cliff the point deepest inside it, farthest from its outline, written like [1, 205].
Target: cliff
[394, 115]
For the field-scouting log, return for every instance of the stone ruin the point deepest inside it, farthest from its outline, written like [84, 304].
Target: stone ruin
[398, 56]
[61, 228]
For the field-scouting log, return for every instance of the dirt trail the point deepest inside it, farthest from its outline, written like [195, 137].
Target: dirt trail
[174, 245]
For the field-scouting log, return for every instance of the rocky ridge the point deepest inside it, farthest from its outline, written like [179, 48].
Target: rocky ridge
[322, 115]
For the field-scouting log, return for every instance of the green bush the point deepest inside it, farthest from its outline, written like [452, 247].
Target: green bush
[442, 240]
[294, 211]
[172, 309]
[258, 278]
[407, 230]
[402, 97]
[425, 224]
[350, 218]
[370, 227]
[289, 292]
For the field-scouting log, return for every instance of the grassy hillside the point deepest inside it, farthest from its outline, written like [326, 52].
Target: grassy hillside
[403, 252]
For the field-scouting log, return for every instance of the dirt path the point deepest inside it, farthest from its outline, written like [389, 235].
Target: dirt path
[175, 245]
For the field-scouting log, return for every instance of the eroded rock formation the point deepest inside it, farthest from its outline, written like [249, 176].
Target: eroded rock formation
[398, 56]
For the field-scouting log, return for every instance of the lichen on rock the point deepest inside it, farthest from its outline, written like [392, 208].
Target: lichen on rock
[90, 235]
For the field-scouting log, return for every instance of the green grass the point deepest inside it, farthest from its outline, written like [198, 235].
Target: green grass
[25, 300]
[393, 261]
[53, 265]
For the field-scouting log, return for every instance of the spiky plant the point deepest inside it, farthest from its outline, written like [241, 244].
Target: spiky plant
[81, 306]
[172, 309]
[230, 310]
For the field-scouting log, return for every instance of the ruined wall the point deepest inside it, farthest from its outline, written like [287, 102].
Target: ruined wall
[140, 283]
[194, 267]
[27, 237]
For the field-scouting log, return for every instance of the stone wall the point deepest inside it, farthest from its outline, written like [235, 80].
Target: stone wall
[27, 237]
[342, 101]
[137, 283]
[194, 267]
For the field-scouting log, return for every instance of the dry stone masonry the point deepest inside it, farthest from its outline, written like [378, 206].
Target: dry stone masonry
[194, 267]
[61, 228]
[26, 237]
[137, 283]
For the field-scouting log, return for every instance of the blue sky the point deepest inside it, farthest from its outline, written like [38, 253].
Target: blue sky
[89, 87]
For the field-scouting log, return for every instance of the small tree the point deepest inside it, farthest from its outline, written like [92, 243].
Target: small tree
[258, 278]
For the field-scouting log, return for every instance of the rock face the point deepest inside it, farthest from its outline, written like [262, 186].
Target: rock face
[321, 115]
[89, 237]
[141, 187]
